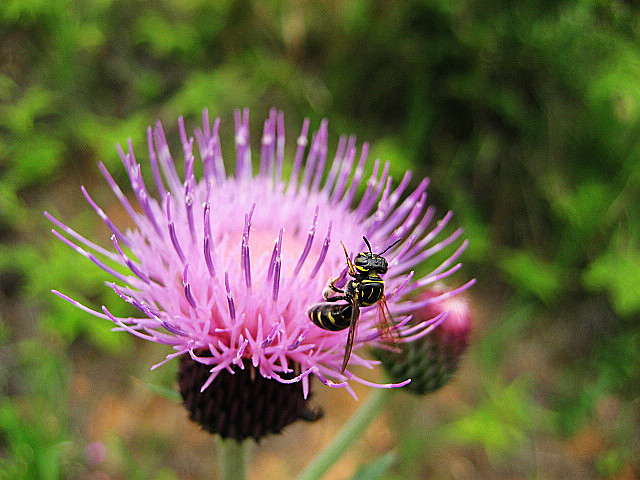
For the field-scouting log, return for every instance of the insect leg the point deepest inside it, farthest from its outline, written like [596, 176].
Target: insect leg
[336, 299]
[355, 314]
[352, 268]
[330, 290]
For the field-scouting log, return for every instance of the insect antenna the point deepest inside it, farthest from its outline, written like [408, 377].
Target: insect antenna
[368, 244]
[388, 248]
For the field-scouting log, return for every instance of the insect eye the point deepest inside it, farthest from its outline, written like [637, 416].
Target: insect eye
[360, 260]
[380, 264]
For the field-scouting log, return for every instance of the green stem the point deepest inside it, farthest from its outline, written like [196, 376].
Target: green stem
[351, 431]
[233, 458]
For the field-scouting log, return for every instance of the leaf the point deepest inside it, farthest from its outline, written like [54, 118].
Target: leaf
[501, 422]
[19, 117]
[533, 275]
[617, 273]
[37, 159]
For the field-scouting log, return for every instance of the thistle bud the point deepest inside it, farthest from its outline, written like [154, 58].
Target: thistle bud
[431, 361]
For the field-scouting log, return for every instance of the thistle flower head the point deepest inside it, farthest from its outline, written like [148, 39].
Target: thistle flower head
[224, 268]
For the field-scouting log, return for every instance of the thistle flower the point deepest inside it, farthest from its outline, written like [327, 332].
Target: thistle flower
[431, 361]
[223, 269]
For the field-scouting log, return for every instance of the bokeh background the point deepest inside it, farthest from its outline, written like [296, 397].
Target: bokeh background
[526, 116]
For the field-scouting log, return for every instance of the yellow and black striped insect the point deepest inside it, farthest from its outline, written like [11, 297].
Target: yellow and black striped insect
[366, 288]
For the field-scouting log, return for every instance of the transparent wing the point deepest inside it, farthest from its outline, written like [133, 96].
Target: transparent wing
[386, 326]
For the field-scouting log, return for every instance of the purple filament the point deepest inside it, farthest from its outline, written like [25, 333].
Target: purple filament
[172, 230]
[357, 176]
[269, 339]
[307, 247]
[323, 252]
[208, 241]
[335, 165]
[245, 259]
[132, 266]
[105, 218]
[187, 288]
[188, 200]
[232, 308]
[302, 143]
[277, 263]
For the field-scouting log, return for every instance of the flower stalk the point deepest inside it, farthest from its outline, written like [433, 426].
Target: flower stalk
[234, 458]
[350, 433]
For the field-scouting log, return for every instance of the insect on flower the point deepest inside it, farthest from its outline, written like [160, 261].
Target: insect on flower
[223, 266]
[366, 289]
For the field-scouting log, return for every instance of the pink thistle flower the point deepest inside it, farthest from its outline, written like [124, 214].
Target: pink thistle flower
[223, 269]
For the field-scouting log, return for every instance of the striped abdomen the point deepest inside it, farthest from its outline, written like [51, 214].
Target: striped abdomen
[331, 316]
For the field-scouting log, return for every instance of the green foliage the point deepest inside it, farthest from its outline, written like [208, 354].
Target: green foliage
[35, 453]
[532, 275]
[617, 272]
[612, 368]
[502, 422]
[33, 426]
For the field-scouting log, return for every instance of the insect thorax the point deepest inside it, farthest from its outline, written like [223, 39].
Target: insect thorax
[369, 290]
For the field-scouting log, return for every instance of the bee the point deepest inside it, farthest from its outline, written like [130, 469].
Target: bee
[366, 289]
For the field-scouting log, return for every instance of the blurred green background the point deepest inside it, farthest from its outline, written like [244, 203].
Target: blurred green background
[526, 116]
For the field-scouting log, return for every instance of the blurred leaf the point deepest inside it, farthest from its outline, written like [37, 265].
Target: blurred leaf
[19, 10]
[7, 85]
[37, 159]
[19, 117]
[586, 206]
[90, 37]
[501, 423]
[4, 331]
[48, 373]
[617, 273]
[101, 134]
[388, 149]
[34, 427]
[610, 463]
[13, 212]
[532, 275]
[226, 86]
[166, 36]
[617, 85]
[165, 474]
[616, 364]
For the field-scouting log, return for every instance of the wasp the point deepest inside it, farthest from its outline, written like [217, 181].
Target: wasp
[365, 289]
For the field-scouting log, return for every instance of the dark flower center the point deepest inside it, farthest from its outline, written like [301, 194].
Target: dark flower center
[243, 404]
